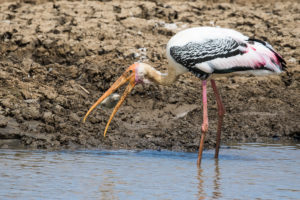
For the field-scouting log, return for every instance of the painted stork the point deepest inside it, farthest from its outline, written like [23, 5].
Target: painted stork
[206, 52]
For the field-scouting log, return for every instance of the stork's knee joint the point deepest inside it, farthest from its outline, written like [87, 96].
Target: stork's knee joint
[204, 128]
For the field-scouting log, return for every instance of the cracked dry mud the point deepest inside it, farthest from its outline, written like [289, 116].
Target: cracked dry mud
[57, 58]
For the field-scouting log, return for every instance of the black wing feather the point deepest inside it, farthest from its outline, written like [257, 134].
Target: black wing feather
[194, 53]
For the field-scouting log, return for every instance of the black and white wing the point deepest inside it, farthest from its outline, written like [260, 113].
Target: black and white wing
[209, 50]
[196, 55]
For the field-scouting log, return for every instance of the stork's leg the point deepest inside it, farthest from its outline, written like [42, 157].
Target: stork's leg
[204, 126]
[221, 112]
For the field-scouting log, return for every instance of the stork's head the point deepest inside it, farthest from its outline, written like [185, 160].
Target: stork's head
[135, 74]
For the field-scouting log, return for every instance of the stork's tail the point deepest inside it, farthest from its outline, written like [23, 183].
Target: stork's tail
[279, 61]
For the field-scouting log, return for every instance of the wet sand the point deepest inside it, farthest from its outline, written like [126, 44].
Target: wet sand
[57, 58]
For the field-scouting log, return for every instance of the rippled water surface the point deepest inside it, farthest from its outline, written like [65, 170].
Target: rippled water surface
[243, 171]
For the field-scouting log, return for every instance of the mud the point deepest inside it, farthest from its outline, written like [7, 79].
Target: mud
[57, 58]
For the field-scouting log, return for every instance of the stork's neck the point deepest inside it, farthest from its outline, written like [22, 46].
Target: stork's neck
[156, 76]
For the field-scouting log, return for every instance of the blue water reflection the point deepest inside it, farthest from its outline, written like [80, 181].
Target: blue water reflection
[243, 171]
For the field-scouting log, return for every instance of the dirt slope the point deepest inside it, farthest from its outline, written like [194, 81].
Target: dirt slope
[56, 59]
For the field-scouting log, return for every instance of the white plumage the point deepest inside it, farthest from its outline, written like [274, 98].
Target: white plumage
[254, 56]
[199, 34]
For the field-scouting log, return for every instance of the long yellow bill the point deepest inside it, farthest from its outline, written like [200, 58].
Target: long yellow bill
[127, 76]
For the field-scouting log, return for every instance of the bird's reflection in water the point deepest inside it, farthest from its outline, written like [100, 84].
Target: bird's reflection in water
[107, 187]
[216, 193]
[200, 186]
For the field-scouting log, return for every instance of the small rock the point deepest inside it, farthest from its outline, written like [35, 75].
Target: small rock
[47, 43]
[173, 100]
[31, 112]
[292, 60]
[3, 122]
[7, 103]
[31, 101]
[110, 101]
[26, 94]
[108, 48]
[172, 26]
[4, 75]
[74, 117]
[49, 93]
[48, 117]
[58, 109]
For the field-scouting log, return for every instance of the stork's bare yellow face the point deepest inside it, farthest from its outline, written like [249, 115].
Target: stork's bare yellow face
[127, 76]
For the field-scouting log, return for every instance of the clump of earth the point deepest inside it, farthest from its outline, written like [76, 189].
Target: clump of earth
[57, 58]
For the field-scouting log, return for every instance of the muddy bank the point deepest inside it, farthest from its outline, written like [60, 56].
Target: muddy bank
[57, 58]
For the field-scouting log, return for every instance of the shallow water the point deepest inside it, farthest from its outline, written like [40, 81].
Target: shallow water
[243, 171]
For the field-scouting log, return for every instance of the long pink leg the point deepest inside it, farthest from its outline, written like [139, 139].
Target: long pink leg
[204, 127]
[221, 112]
